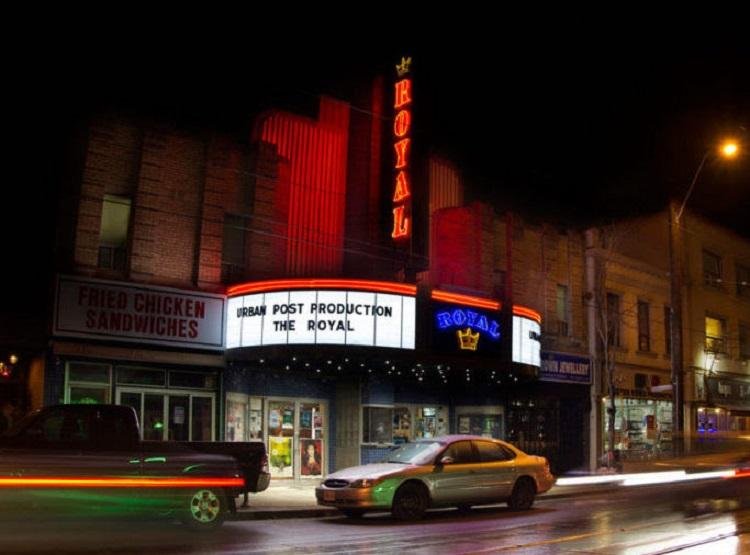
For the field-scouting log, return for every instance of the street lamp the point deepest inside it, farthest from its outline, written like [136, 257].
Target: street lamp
[728, 149]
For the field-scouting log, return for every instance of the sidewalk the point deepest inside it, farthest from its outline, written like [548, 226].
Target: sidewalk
[284, 500]
[289, 499]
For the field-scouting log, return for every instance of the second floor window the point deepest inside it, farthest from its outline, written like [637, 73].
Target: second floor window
[561, 310]
[613, 319]
[711, 269]
[715, 335]
[644, 330]
[113, 233]
[744, 342]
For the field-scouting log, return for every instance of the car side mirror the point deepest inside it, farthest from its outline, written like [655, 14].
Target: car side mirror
[447, 460]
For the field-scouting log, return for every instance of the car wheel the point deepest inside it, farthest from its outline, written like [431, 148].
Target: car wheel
[352, 513]
[522, 497]
[206, 509]
[410, 502]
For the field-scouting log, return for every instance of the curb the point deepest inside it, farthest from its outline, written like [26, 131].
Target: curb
[271, 514]
[322, 512]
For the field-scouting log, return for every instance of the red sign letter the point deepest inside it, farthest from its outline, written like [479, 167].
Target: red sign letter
[403, 93]
[402, 123]
[402, 187]
[401, 153]
[400, 223]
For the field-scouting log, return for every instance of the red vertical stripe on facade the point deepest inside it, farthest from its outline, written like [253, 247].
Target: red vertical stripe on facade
[316, 151]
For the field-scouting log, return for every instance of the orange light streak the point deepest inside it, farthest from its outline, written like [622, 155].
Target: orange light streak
[527, 312]
[466, 300]
[358, 284]
[111, 482]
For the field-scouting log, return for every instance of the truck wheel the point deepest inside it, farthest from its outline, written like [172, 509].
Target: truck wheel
[522, 497]
[410, 502]
[206, 509]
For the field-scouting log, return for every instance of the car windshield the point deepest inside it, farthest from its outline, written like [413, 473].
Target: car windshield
[420, 452]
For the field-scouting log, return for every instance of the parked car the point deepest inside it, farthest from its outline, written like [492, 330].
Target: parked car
[89, 459]
[457, 470]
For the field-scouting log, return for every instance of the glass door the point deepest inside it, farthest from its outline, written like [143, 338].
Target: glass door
[153, 417]
[311, 440]
[296, 436]
[179, 411]
[281, 432]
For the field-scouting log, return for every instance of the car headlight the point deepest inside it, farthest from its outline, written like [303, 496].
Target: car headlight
[364, 483]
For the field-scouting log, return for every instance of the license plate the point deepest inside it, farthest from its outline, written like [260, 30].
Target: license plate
[329, 496]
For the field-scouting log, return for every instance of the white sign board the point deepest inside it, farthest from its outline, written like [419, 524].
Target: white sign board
[321, 317]
[526, 344]
[101, 309]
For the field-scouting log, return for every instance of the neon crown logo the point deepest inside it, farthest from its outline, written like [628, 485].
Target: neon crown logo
[468, 341]
[403, 68]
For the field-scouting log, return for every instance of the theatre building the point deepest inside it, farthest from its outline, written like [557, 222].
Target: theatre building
[315, 281]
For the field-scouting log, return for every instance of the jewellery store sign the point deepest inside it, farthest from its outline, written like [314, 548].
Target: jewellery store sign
[321, 317]
[99, 309]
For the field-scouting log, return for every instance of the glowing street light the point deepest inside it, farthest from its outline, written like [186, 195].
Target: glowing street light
[729, 149]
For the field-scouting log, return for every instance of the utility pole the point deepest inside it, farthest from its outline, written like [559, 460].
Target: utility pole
[675, 327]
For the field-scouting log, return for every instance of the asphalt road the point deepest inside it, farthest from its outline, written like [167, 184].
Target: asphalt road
[695, 517]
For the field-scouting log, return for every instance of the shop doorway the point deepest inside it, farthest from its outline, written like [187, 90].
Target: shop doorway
[172, 415]
[296, 438]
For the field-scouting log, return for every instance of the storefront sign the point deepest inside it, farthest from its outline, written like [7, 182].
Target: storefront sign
[321, 317]
[526, 340]
[101, 309]
[464, 328]
[562, 367]
[402, 153]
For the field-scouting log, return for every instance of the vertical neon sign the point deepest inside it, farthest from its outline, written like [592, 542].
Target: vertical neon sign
[402, 152]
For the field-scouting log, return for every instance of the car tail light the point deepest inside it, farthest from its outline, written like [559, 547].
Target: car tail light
[264, 464]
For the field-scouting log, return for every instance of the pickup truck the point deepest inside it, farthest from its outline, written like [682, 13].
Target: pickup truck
[89, 459]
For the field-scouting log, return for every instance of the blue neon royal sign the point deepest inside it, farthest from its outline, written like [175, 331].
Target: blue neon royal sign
[465, 318]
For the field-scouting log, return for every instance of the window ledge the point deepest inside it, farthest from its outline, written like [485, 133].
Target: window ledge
[649, 354]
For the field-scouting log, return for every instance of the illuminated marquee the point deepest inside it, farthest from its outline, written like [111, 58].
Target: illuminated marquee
[368, 314]
[526, 336]
[402, 150]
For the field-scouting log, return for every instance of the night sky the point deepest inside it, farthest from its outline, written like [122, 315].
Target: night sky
[569, 120]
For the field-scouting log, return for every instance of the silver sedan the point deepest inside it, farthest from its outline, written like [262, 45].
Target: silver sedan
[457, 470]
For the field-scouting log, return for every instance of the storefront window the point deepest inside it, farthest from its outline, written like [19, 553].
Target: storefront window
[236, 417]
[91, 373]
[88, 395]
[643, 427]
[141, 376]
[401, 425]
[87, 383]
[197, 380]
[377, 424]
[412, 422]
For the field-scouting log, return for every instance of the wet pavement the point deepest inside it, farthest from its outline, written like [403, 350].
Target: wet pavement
[296, 499]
